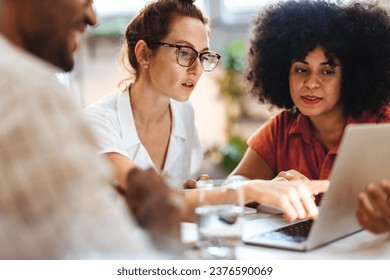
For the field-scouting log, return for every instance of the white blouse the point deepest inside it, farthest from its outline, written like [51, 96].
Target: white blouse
[113, 122]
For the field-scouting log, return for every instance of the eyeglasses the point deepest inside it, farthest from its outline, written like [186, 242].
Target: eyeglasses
[187, 55]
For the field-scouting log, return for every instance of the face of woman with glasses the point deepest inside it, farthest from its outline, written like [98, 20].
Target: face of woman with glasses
[175, 67]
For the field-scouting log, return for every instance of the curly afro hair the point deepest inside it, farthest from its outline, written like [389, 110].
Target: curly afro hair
[366, 68]
[358, 35]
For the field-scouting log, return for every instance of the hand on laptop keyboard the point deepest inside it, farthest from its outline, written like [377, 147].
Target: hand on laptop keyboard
[293, 198]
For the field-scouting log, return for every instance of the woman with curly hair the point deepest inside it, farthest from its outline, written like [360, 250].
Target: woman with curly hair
[326, 66]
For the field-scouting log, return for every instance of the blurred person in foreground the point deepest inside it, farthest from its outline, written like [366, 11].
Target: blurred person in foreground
[57, 200]
[325, 65]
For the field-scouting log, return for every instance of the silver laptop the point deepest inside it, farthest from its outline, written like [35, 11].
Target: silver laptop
[364, 156]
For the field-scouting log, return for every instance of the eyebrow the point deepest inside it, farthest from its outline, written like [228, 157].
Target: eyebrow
[331, 63]
[184, 42]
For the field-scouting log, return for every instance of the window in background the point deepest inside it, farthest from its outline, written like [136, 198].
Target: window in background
[114, 8]
[115, 15]
[233, 12]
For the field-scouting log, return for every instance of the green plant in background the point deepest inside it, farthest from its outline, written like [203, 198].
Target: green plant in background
[234, 56]
[232, 153]
[231, 84]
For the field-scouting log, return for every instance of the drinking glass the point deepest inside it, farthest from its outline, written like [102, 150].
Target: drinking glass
[218, 217]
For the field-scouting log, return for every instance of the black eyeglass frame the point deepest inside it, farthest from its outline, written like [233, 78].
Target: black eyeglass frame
[199, 54]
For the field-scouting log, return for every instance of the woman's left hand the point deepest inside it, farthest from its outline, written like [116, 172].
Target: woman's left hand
[290, 175]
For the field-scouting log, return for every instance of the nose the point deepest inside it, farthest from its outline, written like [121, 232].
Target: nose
[90, 14]
[313, 82]
[196, 68]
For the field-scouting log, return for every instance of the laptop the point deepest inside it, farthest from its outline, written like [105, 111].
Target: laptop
[364, 156]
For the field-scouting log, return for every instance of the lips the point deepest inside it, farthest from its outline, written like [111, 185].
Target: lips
[311, 99]
[189, 85]
[74, 40]
[78, 29]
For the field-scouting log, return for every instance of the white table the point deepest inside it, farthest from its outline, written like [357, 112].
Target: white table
[359, 246]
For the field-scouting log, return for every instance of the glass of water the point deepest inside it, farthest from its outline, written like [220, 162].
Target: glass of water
[218, 217]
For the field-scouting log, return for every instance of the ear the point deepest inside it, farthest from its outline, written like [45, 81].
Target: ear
[141, 53]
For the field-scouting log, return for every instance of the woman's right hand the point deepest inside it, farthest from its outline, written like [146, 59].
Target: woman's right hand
[293, 198]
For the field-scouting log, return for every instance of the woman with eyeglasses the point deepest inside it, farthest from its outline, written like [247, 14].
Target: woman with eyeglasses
[150, 122]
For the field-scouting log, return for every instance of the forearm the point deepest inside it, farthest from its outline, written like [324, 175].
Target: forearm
[122, 165]
[191, 201]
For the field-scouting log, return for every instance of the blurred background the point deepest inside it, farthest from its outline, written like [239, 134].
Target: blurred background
[226, 115]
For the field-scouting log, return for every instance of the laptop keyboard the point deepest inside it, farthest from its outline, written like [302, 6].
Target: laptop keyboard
[296, 232]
